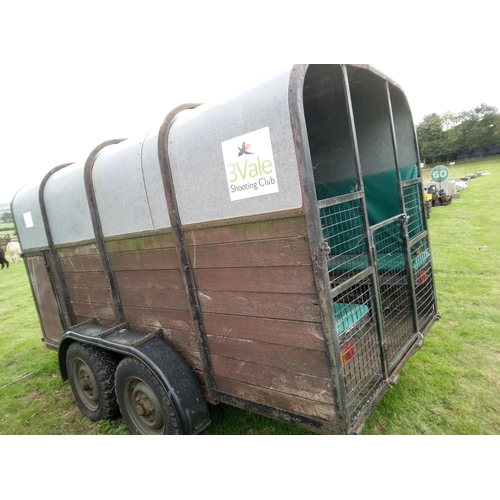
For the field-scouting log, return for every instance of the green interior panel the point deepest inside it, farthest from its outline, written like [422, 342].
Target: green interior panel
[347, 315]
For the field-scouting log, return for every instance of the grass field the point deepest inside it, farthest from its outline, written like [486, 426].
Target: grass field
[451, 386]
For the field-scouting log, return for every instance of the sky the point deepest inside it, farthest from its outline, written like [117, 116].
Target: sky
[76, 74]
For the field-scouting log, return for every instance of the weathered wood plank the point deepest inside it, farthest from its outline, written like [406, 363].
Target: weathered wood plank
[90, 295]
[291, 333]
[160, 279]
[264, 305]
[288, 358]
[47, 305]
[184, 342]
[159, 299]
[180, 339]
[102, 312]
[278, 400]
[163, 258]
[262, 230]
[159, 318]
[156, 241]
[90, 279]
[87, 249]
[81, 263]
[257, 279]
[71, 264]
[272, 253]
[304, 386]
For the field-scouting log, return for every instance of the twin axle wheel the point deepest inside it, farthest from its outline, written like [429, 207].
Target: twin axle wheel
[103, 388]
[144, 404]
[91, 373]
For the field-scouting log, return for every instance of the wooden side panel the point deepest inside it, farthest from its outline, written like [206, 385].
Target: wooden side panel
[86, 282]
[259, 305]
[261, 314]
[45, 298]
[152, 291]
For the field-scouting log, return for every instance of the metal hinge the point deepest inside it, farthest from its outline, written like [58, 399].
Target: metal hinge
[403, 219]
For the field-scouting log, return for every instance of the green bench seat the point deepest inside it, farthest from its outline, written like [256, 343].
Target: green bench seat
[385, 262]
[347, 315]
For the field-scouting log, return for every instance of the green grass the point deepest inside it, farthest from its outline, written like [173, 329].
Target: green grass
[451, 386]
[7, 228]
[33, 398]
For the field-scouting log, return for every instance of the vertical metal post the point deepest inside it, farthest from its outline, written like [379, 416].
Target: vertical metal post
[395, 147]
[406, 246]
[314, 233]
[61, 282]
[97, 226]
[368, 235]
[422, 205]
[180, 245]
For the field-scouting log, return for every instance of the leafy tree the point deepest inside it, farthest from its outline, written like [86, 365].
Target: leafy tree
[465, 132]
[431, 138]
[443, 137]
[6, 217]
[485, 133]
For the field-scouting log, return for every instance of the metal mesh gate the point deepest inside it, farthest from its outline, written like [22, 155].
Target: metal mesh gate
[424, 283]
[394, 287]
[351, 282]
[385, 304]
[420, 255]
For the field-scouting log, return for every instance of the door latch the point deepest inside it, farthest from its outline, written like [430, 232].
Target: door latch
[403, 219]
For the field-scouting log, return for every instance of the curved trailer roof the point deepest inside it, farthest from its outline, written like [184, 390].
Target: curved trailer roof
[231, 159]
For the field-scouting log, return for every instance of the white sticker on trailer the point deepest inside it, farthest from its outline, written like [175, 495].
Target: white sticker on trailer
[28, 220]
[249, 163]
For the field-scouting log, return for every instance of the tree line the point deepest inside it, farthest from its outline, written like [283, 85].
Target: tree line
[452, 136]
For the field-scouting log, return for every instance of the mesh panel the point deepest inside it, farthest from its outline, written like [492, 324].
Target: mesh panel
[354, 308]
[413, 208]
[395, 292]
[359, 345]
[343, 229]
[422, 272]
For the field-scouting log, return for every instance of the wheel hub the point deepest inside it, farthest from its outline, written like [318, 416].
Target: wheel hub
[145, 405]
[144, 408]
[85, 383]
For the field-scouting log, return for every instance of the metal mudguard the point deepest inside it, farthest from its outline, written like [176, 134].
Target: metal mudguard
[162, 359]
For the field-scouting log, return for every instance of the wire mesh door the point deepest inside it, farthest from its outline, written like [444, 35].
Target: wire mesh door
[396, 286]
[423, 280]
[353, 298]
[380, 301]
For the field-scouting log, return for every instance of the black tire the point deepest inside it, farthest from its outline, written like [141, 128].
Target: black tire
[144, 403]
[91, 373]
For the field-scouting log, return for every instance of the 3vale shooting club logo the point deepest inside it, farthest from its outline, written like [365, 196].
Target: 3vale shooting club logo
[249, 164]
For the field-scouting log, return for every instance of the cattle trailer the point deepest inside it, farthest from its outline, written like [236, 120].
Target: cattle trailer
[269, 252]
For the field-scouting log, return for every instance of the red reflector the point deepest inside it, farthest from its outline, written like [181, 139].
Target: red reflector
[346, 352]
[422, 277]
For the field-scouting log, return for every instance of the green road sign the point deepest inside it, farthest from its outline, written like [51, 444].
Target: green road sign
[440, 173]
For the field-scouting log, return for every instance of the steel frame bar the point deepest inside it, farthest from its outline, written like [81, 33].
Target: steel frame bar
[61, 282]
[368, 233]
[98, 232]
[407, 249]
[315, 236]
[180, 245]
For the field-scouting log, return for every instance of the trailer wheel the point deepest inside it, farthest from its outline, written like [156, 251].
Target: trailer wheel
[91, 373]
[144, 404]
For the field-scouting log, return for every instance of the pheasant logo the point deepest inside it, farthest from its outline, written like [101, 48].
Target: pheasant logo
[244, 149]
[249, 165]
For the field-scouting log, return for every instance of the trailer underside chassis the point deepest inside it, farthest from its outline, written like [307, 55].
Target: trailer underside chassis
[114, 370]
